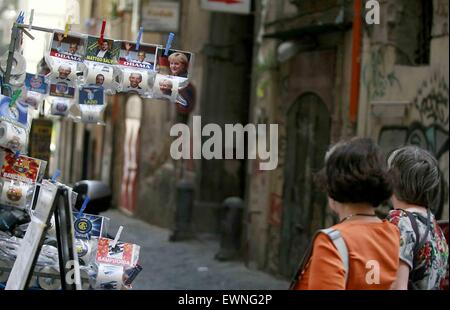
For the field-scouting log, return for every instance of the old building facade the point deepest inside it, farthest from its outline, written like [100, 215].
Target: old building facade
[290, 63]
[303, 81]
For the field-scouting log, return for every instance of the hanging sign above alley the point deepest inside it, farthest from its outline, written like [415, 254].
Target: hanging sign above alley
[229, 6]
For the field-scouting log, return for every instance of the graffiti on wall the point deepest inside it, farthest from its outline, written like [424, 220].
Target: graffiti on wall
[430, 131]
[432, 100]
[440, 18]
[377, 77]
[276, 209]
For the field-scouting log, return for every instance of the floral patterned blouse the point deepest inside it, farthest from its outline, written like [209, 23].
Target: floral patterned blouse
[431, 262]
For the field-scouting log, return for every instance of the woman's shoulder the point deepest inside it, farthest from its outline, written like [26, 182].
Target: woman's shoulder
[397, 216]
[383, 227]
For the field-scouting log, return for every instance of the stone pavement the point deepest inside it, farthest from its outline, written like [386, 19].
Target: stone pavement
[186, 265]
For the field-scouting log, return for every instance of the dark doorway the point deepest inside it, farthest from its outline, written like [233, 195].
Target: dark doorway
[225, 99]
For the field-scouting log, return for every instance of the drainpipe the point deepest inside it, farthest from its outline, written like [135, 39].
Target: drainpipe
[356, 60]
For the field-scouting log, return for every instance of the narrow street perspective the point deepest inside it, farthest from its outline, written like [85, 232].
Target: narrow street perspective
[187, 265]
[282, 145]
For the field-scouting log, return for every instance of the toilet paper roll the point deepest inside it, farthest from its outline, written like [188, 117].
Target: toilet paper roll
[91, 114]
[63, 68]
[85, 250]
[3, 274]
[135, 81]
[60, 106]
[109, 277]
[33, 99]
[51, 229]
[17, 81]
[19, 65]
[13, 137]
[85, 280]
[49, 283]
[165, 87]
[101, 75]
[14, 194]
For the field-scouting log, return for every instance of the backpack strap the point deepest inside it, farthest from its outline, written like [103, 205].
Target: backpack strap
[340, 245]
[418, 244]
[338, 241]
[419, 241]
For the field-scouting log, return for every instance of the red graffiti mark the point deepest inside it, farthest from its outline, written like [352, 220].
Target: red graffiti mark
[276, 206]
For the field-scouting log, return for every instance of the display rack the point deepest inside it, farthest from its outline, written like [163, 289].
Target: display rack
[24, 265]
[15, 37]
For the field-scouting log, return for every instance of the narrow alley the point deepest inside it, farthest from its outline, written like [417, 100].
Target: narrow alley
[186, 265]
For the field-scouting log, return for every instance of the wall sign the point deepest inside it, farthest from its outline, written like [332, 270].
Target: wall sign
[228, 6]
[160, 16]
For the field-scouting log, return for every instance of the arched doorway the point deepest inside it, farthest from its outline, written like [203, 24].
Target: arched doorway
[304, 206]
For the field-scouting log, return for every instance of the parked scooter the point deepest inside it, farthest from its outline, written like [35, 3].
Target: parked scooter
[99, 193]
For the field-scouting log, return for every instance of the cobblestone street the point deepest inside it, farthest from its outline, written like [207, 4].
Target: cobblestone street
[187, 265]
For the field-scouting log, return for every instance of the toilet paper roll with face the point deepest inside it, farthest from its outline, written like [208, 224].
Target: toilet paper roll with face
[109, 277]
[13, 137]
[33, 99]
[49, 283]
[137, 81]
[101, 75]
[14, 193]
[165, 87]
[60, 106]
[63, 70]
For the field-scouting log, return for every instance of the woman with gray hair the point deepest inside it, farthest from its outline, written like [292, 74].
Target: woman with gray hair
[423, 248]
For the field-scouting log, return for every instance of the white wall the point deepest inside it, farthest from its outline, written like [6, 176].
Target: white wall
[47, 13]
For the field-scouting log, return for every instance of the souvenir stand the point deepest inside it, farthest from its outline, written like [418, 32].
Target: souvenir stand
[46, 239]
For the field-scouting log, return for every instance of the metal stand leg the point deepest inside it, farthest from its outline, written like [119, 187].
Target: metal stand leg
[64, 235]
[12, 47]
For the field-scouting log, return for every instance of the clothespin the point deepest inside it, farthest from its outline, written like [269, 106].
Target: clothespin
[14, 97]
[138, 40]
[55, 175]
[169, 43]
[28, 34]
[67, 27]
[20, 17]
[102, 32]
[17, 154]
[30, 23]
[83, 207]
[116, 239]
[8, 87]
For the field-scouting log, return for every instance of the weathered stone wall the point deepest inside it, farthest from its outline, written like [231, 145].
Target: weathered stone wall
[407, 104]
[158, 173]
[321, 67]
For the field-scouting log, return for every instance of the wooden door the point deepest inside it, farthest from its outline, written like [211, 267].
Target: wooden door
[304, 206]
